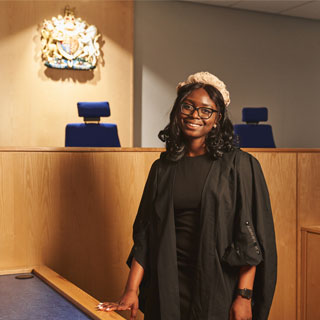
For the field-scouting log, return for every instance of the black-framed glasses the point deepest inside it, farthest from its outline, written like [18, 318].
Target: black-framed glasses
[203, 112]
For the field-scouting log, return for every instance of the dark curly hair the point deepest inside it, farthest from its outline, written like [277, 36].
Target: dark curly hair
[218, 141]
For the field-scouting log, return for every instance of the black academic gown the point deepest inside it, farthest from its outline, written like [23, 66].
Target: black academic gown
[236, 229]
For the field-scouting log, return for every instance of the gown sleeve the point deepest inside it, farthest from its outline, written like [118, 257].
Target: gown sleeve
[253, 236]
[141, 224]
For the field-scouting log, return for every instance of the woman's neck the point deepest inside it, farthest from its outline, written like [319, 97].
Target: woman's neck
[196, 148]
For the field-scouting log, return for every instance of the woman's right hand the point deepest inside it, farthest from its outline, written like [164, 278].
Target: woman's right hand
[129, 301]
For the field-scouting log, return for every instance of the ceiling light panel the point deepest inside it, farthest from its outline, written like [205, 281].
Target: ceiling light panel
[268, 6]
[222, 3]
[310, 10]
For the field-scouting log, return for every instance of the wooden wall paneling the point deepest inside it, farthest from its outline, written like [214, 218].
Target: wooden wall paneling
[101, 195]
[310, 276]
[7, 234]
[26, 218]
[302, 276]
[313, 276]
[280, 175]
[115, 193]
[308, 189]
[73, 210]
[308, 204]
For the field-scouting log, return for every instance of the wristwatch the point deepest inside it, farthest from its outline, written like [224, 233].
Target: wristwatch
[244, 293]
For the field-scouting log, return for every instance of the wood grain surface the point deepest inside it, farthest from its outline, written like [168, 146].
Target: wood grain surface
[308, 189]
[310, 276]
[308, 204]
[73, 211]
[280, 174]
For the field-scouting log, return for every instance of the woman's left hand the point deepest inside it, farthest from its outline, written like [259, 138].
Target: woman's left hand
[241, 309]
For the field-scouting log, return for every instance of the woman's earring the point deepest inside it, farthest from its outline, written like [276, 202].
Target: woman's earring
[215, 125]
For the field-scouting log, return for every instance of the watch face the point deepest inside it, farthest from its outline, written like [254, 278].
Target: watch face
[245, 293]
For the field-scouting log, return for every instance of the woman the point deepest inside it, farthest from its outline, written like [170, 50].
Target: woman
[204, 244]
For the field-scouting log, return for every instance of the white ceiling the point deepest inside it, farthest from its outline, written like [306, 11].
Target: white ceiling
[294, 8]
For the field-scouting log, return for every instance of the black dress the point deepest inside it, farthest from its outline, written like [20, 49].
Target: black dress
[190, 177]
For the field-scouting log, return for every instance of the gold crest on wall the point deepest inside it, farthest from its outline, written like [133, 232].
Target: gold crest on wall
[69, 43]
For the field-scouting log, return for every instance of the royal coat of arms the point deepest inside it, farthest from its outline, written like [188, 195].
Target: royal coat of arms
[69, 43]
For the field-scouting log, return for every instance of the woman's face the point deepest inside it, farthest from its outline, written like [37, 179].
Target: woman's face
[192, 125]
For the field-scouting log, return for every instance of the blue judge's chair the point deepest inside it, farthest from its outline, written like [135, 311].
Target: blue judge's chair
[92, 133]
[252, 134]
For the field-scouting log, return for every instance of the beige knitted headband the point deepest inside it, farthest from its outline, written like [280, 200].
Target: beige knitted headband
[208, 78]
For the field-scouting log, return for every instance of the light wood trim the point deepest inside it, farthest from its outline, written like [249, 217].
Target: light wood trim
[298, 243]
[282, 150]
[311, 229]
[75, 295]
[303, 267]
[15, 271]
[76, 149]
[140, 149]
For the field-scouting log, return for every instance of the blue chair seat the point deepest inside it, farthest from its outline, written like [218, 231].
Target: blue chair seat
[254, 135]
[92, 135]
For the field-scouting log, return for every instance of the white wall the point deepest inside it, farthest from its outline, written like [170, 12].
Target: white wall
[265, 60]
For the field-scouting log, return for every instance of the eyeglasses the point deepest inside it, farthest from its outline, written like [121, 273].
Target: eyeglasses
[203, 112]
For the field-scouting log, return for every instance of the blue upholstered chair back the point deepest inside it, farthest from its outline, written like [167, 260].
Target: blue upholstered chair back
[90, 134]
[252, 134]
